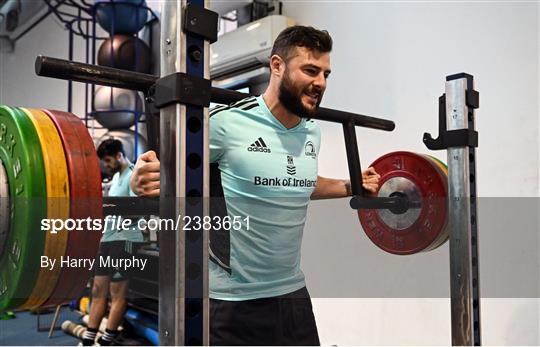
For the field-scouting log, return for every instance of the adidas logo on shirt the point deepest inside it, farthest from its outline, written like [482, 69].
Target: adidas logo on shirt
[259, 146]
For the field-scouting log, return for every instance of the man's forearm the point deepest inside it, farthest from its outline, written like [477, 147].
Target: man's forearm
[330, 188]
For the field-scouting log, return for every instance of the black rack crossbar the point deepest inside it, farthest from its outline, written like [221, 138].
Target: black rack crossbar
[107, 76]
[88, 73]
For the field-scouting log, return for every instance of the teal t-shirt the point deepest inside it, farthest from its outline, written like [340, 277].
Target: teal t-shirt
[120, 187]
[268, 173]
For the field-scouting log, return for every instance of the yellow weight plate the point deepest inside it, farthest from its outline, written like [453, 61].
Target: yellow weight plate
[439, 163]
[57, 182]
[444, 170]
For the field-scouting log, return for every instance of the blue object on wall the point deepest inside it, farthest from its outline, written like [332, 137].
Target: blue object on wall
[121, 16]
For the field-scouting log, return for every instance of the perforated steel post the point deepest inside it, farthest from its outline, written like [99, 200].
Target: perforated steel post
[183, 291]
[462, 223]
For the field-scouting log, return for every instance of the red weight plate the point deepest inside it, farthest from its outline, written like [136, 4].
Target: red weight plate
[85, 201]
[417, 229]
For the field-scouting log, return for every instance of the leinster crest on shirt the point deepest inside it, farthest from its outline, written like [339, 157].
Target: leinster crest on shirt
[310, 150]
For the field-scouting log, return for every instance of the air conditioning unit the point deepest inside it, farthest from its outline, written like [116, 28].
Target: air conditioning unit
[16, 16]
[246, 48]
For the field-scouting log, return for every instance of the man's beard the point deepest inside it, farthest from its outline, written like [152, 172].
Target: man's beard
[291, 98]
[115, 169]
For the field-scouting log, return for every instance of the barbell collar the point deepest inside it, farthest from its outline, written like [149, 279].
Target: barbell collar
[396, 204]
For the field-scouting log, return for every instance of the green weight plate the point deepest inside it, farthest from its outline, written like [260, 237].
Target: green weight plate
[4, 206]
[20, 153]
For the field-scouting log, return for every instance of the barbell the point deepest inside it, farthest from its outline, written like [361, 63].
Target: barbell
[50, 170]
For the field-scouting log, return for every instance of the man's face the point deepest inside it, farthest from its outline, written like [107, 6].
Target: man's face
[112, 163]
[304, 81]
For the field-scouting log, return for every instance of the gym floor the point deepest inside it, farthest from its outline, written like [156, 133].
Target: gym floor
[25, 324]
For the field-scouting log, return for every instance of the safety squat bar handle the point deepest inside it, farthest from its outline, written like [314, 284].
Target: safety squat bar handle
[171, 89]
[360, 199]
[107, 76]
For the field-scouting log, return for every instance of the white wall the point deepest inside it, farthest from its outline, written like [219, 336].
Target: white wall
[390, 60]
[21, 87]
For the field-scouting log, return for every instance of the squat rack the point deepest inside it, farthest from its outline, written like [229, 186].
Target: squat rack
[179, 101]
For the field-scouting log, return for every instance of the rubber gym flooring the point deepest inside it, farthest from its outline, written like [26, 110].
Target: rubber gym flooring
[22, 330]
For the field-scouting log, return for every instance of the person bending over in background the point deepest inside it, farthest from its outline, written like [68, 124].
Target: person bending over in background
[117, 244]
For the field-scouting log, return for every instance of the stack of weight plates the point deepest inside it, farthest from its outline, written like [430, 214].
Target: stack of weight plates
[49, 171]
[422, 179]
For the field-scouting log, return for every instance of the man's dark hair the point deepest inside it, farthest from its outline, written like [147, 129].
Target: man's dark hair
[301, 36]
[110, 147]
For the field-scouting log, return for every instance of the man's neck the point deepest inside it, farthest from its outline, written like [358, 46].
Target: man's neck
[123, 165]
[288, 119]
